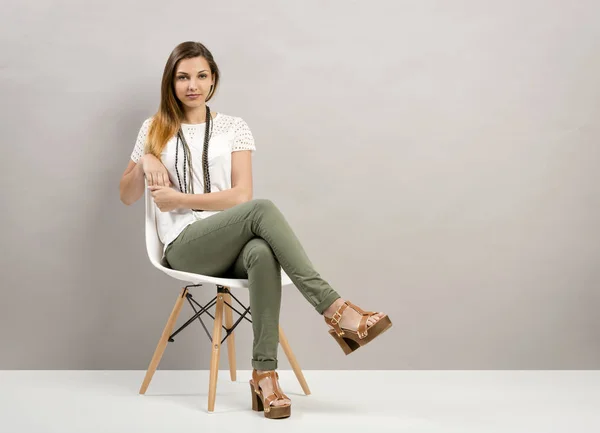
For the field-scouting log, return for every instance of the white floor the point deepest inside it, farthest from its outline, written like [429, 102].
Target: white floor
[341, 401]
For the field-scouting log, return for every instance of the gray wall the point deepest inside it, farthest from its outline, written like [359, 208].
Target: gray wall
[437, 160]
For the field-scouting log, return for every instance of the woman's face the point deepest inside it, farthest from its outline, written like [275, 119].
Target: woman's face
[192, 81]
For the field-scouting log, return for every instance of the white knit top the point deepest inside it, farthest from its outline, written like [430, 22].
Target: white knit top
[230, 134]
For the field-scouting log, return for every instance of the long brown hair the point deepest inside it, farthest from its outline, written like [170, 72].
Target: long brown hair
[167, 121]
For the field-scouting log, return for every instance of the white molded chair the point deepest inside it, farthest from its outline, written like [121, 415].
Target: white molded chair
[222, 300]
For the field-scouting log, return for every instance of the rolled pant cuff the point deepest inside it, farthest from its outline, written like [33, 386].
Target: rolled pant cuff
[326, 303]
[264, 365]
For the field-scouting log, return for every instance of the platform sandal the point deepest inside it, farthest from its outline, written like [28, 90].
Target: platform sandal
[350, 340]
[259, 403]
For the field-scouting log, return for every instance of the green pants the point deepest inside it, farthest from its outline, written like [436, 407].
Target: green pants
[252, 240]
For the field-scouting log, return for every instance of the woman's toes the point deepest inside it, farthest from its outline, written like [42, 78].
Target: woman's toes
[281, 402]
[374, 319]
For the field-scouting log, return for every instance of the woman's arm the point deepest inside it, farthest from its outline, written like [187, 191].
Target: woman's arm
[132, 183]
[219, 200]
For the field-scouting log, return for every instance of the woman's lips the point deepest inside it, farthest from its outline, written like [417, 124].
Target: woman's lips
[193, 96]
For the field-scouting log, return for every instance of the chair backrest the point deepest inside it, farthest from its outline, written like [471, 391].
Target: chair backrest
[154, 246]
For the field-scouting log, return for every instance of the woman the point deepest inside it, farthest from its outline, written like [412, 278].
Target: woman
[220, 230]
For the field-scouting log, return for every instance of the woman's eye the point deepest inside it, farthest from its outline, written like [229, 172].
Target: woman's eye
[180, 77]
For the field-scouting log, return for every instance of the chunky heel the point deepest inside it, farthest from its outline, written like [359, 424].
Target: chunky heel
[350, 340]
[347, 346]
[257, 404]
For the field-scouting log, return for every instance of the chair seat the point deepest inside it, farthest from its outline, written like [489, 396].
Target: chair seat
[227, 282]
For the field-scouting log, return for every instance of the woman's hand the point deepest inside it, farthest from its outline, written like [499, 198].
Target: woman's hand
[166, 198]
[155, 172]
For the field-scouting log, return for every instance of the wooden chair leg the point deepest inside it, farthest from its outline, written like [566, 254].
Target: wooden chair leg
[164, 339]
[231, 338]
[293, 362]
[216, 348]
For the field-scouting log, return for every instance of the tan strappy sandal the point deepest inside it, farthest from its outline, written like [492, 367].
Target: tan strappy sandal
[350, 340]
[259, 403]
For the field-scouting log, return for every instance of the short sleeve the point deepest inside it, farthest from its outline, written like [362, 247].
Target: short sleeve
[243, 139]
[138, 149]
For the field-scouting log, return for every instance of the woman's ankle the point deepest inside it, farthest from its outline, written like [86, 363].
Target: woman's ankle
[330, 311]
